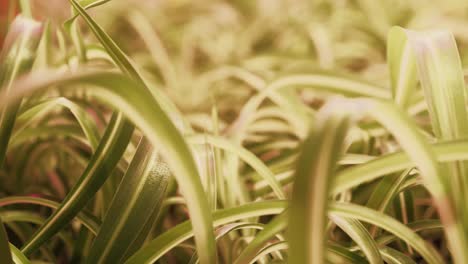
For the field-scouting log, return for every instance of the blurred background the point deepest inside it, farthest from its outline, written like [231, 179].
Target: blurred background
[266, 36]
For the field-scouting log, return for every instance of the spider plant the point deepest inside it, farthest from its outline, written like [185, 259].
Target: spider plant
[238, 131]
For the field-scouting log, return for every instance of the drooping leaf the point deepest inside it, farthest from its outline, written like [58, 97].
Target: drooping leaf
[389, 224]
[402, 67]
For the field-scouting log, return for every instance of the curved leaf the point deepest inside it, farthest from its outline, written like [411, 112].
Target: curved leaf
[18, 257]
[278, 224]
[144, 111]
[139, 194]
[176, 235]
[389, 224]
[359, 234]
[180, 161]
[16, 58]
[113, 144]
[316, 166]
[86, 218]
[86, 122]
[4, 246]
[402, 66]
[245, 155]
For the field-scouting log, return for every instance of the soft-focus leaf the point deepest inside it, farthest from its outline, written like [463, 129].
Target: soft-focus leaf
[16, 58]
[275, 226]
[18, 257]
[4, 246]
[313, 177]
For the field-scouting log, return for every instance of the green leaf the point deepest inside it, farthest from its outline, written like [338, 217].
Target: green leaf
[389, 224]
[226, 230]
[16, 58]
[278, 224]
[316, 167]
[320, 82]
[178, 234]
[10, 216]
[245, 155]
[18, 257]
[140, 193]
[359, 234]
[155, 47]
[4, 246]
[25, 7]
[417, 226]
[394, 162]
[440, 72]
[178, 155]
[392, 256]
[140, 107]
[339, 254]
[402, 66]
[441, 76]
[85, 217]
[87, 124]
[385, 192]
[409, 138]
[88, 4]
[112, 145]
[282, 245]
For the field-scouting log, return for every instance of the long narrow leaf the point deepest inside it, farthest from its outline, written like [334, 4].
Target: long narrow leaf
[173, 237]
[389, 224]
[315, 169]
[185, 172]
[144, 111]
[139, 194]
[16, 58]
[359, 234]
[275, 226]
[4, 246]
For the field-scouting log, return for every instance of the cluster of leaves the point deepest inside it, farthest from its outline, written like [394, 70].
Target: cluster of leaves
[235, 132]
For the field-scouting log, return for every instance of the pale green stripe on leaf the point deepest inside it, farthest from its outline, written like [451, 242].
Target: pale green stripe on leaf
[389, 224]
[139, 194]
[86, 218]
[359, 234]
[178, 155]
[402, 67]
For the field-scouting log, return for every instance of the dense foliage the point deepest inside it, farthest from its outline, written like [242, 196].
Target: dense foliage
[268, 131]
